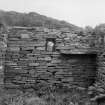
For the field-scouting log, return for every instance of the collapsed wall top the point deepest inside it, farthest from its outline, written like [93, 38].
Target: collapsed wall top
[63, 41]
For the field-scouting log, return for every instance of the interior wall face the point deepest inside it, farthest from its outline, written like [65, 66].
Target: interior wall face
[28, 62]
[81, 66]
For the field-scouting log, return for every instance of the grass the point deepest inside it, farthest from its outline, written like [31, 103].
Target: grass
[56, 95]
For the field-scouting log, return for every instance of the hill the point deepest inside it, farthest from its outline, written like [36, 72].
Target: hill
[13, 18]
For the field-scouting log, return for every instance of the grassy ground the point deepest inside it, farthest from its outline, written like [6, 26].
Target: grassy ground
[45, 96]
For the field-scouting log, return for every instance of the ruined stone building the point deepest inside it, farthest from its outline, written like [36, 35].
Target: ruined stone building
[37, 55]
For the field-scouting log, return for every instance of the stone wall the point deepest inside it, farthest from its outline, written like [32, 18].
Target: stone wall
[48, 56]
[101, 69]
[3, 46]
[101, 61]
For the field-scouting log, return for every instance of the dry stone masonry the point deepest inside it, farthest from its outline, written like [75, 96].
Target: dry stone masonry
[38, 55]
[3, 46]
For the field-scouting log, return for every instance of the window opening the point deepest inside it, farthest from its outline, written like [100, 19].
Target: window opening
[50, 44]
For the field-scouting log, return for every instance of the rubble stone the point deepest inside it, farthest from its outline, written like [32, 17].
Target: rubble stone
[70, 61]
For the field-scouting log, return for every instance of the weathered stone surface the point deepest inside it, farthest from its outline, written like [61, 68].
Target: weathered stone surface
[28, 60]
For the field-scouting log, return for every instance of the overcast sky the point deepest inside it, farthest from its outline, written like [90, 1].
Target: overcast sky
[78, 12]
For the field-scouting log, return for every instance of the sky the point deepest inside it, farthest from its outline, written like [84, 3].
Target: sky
[78, 12]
